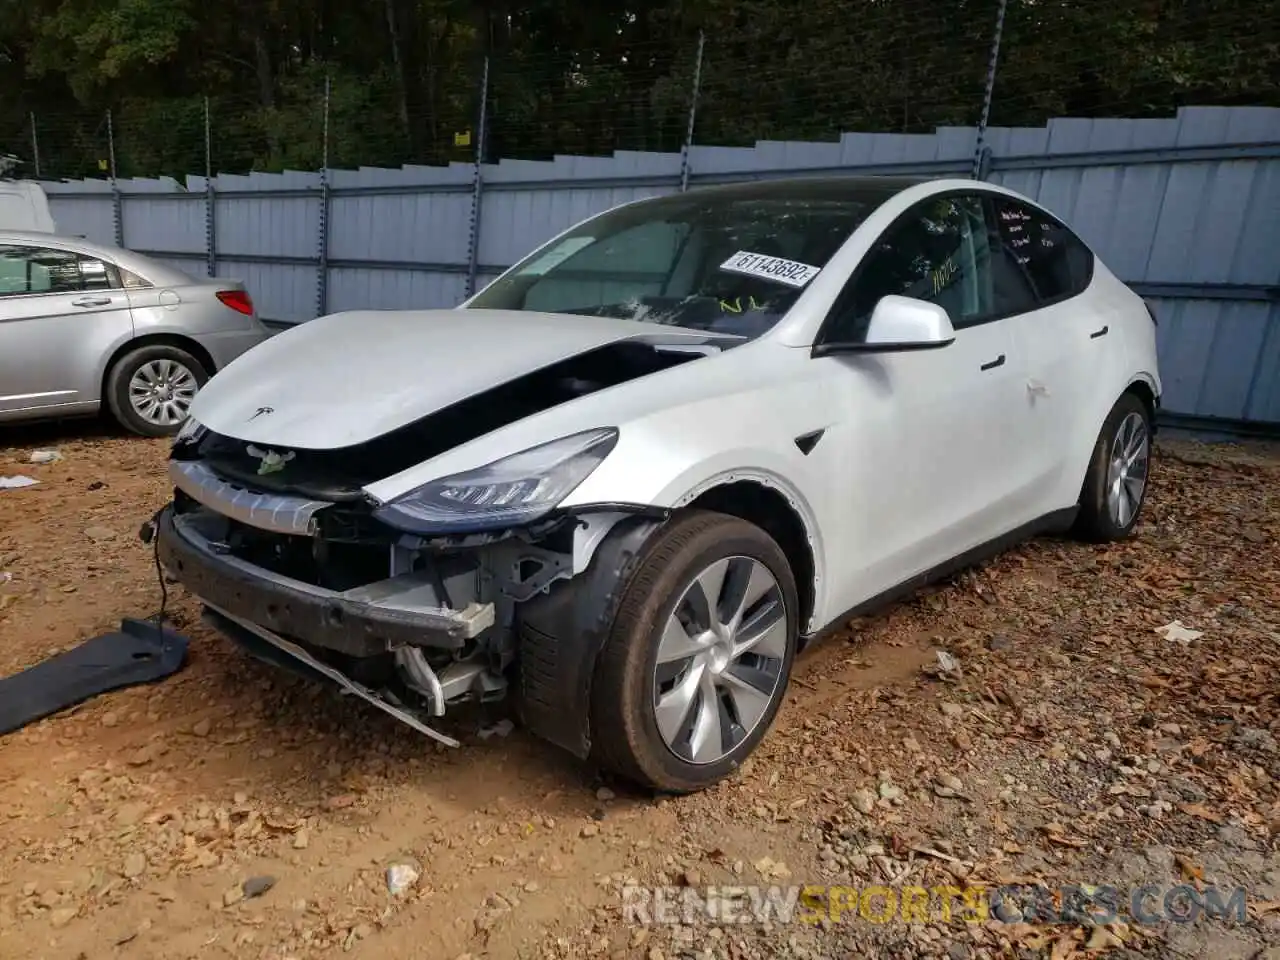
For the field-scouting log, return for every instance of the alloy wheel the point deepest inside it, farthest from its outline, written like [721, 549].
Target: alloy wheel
[720, 659]
[161, 391]
[1127, 471]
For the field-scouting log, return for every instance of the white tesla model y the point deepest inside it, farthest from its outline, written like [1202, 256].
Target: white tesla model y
[629, 479]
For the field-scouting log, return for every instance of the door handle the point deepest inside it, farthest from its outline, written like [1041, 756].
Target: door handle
[91, 302]
[1099, 333]
[997, 362]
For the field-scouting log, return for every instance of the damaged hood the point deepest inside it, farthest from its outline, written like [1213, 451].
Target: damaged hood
[347, 378]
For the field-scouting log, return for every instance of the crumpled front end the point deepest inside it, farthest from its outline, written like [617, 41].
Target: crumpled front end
[412, 624]
[449, 589]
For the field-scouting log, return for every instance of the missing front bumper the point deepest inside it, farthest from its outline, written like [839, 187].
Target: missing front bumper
[278, 651]
[367, 621]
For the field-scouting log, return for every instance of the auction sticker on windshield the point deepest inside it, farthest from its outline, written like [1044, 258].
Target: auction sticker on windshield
[791, 272]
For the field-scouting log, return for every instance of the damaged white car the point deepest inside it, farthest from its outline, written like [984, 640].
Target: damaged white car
[629, 479]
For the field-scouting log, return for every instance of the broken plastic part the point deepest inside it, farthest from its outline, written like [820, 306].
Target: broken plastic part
[266, 511]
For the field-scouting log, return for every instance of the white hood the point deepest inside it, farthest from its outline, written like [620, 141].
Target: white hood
[347, 378]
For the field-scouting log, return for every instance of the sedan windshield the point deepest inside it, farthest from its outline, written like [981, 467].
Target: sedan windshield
[729, 260]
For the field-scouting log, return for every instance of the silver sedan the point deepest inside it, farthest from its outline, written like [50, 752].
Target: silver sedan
[84, 327]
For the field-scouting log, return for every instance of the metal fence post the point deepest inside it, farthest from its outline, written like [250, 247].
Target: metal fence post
[477, 183]
[693, 113]
[210, 201]
[981, 154]
[35, 145]
[322, 275]
[117, 211]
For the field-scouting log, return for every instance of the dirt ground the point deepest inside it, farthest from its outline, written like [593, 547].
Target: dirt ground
[234, 811]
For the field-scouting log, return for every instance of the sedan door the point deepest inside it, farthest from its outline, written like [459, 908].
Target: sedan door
[61, 313]
[931, 447]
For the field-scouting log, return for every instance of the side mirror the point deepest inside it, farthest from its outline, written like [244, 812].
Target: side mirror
[900, 323]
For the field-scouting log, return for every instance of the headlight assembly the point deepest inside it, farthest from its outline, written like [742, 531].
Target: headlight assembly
[510, 492]
[192, 431]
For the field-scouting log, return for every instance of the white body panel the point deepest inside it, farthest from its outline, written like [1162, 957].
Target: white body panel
[370, 371]
[924, 455]
[24, 206]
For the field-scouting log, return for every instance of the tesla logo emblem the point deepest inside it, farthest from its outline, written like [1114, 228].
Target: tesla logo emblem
[262, 412]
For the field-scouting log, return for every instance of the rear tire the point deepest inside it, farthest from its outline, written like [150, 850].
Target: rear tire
[1115, 487]
[683, 724]
[176, 374]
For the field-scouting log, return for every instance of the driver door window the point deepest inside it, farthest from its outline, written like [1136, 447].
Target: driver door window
[939, 252]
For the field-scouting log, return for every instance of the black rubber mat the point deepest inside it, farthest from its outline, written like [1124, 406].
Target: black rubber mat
[137, 653]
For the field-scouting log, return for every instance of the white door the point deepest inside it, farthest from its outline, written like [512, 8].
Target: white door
[59, 312]
[1041, 270]
[934, 465]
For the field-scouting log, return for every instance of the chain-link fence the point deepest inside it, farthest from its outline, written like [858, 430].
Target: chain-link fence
[766, 71]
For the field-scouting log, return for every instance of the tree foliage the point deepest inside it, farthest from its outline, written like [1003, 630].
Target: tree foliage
[403, 76]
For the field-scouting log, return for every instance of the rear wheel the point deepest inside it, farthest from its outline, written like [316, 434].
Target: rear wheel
[1115, 487]
[150, 389]
[697, 662]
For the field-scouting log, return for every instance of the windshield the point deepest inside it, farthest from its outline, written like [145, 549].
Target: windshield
[729, 260]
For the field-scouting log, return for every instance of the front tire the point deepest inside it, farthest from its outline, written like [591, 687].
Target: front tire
[150, 389]
[1115, 486]
[696, 664]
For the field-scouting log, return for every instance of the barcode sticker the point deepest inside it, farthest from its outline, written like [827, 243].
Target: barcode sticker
[790, 272]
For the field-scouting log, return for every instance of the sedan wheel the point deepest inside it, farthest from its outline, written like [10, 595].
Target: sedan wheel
[1115, 486]
[150, 389]
[696, 665]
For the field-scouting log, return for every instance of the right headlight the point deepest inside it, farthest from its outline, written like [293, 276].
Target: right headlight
[510, 492]
[191, 432]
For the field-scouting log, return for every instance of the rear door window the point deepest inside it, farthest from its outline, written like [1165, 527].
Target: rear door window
[1043, 259]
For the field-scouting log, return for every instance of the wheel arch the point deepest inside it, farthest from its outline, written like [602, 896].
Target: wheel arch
[1144, 389]
[178, 341]
[766, 499]
[768, 508]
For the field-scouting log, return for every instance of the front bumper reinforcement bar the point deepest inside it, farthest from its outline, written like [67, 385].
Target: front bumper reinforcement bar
[323, 669]
[400, 611]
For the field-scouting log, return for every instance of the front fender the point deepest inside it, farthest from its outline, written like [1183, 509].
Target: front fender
[775, 481]
[563, 631]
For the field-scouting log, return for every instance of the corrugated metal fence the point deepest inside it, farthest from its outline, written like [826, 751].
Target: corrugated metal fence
[1186, 209]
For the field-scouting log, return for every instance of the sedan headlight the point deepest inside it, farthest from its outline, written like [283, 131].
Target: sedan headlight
[510, 492]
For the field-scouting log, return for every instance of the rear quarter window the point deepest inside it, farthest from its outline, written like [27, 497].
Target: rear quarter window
[1055, 261]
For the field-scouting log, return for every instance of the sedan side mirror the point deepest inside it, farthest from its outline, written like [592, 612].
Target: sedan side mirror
[900, 323]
